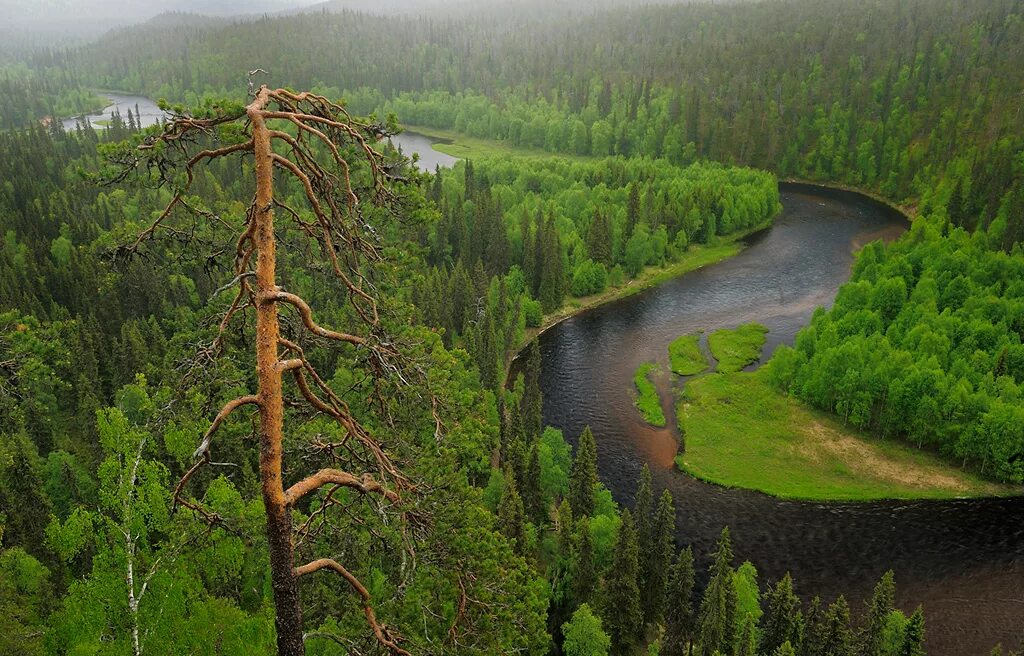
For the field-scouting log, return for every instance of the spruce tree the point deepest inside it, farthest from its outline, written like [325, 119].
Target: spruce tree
[511, 516]
[785, 649]
[584, 580]
[813, 628]
[583, 476]
[782, 620]
[836, 638]
[882, 602]
[680, 621]
[643, 514]
[599, 239]
[623, 618]
[632, 209]
[913, 638]
[718, 608]
[566, 531]
[533, 498]
[746, 642]
[532, 402]
[659, 558]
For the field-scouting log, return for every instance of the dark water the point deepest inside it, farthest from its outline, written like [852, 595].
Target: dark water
[149, 112]
[962, 560]
[430, 159]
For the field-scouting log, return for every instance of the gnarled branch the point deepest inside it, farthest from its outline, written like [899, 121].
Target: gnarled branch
[384, 636]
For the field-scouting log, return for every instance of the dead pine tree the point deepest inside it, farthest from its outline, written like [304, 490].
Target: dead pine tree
[332, 158]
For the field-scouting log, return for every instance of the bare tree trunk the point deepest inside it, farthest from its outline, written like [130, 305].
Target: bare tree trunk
[288, 616]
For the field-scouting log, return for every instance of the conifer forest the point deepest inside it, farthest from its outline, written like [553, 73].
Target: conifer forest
[581, 328]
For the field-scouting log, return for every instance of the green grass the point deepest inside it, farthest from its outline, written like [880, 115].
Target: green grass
[741, 432]
[459, 145]
[647, 401]
[736, 348]
[686, 356]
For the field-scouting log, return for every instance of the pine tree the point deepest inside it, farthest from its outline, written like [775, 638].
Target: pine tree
[583, 476]
[680, 621]
[584, 580]
[659, 558]
[718, 608]
[882, 602]
[511, 517]
[533, 498]
[913, 638]
[623, 618]
[782, 620]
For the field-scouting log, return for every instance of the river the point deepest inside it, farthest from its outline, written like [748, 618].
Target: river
[962, 560]
[147, 110]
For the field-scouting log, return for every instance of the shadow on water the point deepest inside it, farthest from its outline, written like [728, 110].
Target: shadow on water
[962, 560]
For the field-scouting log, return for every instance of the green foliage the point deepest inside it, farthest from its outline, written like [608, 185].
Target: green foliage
[622, 614]
[648, 402]
[923, 343]
[589, 278]
[584, 636]
[783, 621]
[24, 590]
[736, 348]
[717, 619]
[583, 476]
[680, 620]
[686, 355]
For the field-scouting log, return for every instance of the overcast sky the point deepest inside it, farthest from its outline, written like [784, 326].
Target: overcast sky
[64, 14]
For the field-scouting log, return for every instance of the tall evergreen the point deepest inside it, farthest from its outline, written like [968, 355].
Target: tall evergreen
[583, 476]
[643, 512]
[746, 641]
[584, 581]
[533, 498]
[913, 637]
[566, 531]
[882, 603]
[599, 239]
[680, 620]
[836, 639]
[511, 516]
[623, 618]
[782, 620]
[658, 554]
[718, 608]
[532, 402]
[632, 209]
[813, 629]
